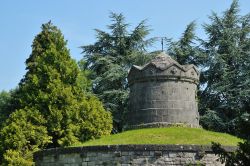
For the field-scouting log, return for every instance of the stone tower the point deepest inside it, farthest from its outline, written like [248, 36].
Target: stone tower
[163, 93]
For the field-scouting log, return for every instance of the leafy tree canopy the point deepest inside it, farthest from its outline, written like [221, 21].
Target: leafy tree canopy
[110, 58]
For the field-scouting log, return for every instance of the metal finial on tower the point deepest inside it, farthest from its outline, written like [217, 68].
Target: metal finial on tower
[162, 42]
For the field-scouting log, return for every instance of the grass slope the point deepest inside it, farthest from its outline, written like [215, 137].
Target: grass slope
[171, 135]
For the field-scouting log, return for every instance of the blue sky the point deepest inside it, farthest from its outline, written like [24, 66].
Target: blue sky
[20, 21]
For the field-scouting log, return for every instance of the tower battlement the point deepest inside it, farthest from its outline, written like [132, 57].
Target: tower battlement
[163, 67]
[163, 93]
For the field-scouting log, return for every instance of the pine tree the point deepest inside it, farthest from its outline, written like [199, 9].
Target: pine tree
[186, 50]
[51, 108]
[227, 84]
[110, 58]
[227, 96]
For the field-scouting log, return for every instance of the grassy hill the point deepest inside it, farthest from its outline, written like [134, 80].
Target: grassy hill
[171, 135]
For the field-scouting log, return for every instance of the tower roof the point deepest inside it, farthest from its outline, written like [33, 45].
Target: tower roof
[162, 61]
[163, 58]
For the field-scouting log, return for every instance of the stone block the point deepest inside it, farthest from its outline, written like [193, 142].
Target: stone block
[152, 153]
[84, 163]
[75, 164]
[93, 158]
[104, 155]
[49, 159]
[125, 153]
[92, 163]
[145, 153]
[172, 154]
[131, 153]
[117, 154]
[91, 154]
[86, 159]
[125, 159]
[158, 154]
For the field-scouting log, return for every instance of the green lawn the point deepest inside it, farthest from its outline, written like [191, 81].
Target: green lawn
[171, 135]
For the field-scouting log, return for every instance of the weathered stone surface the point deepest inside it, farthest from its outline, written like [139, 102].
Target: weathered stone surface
[163, 93]
[136, 155]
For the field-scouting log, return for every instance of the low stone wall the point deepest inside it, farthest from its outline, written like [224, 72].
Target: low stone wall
[128, 155]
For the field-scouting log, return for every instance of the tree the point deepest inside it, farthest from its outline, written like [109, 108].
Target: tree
[24, 133]
[241, 157]
[51, 109]
[186, 50]
[227, 77]
[83, 81]
[5, 98]
[224, 89]
[109, 60]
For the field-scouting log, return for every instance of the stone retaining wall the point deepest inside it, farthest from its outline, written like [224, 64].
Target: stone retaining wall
[128, 155]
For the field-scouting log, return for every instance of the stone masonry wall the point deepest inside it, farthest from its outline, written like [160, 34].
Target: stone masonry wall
[163, 93]
[162, 102]
[129, 155]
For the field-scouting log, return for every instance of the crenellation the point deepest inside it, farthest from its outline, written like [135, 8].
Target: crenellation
[163, 92]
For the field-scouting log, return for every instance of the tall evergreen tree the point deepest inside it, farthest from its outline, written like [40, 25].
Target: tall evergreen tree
[226, 99]
[186, 50]
[51, 109]
[226, 96]
[110, 58]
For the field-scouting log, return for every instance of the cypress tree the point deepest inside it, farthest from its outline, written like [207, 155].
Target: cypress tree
[51, 109]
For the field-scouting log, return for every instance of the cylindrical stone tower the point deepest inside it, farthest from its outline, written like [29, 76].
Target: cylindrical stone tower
[163, 93]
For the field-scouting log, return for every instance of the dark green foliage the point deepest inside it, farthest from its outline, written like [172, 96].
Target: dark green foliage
[50, 106]
[5, 98]
[243, 125]
[83, 81]
[224, 62]
[212, 121]
[241, 157]
[185, 50]
[224, 97]
[227, 77]
[7, 105]
[109, 60]
[228, 83]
